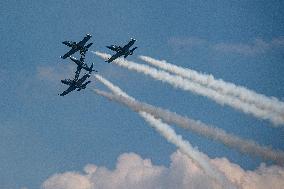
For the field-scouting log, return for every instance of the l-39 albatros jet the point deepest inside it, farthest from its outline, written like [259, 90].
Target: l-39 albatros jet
[76, 84]
[82, 65]
[121, 51]
[80, 46]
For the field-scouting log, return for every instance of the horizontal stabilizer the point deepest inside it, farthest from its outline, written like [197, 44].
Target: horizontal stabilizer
[84, 85]
[113, 47]
[132, 50]
[91, 68]
[88, 46]
[68, 43]
[66, 81]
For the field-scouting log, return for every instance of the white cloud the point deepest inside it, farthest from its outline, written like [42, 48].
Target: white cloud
[278, 42]
[69, 180]
[256, 47]
[262, 178]
[55, 73]
[188, 42]
[134, 172]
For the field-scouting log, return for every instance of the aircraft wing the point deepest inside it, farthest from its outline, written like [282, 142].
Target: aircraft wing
[115, 56]
[69, 53]
[84, 41]
[71, 88]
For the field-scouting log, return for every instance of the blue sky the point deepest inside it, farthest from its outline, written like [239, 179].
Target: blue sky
[42, 133]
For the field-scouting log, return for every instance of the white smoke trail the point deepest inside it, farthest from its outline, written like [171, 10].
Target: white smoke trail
[199, 158]
[248, 96]
[243, 145]
[165, 130]
[112, 87]
[187, 85]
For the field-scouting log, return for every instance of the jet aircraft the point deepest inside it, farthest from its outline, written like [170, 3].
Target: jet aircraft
[80, 46]
[122, 51]
[76, 84]
[81, 64]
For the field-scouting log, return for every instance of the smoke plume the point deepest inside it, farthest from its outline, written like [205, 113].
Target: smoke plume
[243, 145]
[247, 96]
[185, 84]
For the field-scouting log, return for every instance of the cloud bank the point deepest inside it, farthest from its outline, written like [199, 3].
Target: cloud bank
[132, 171]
